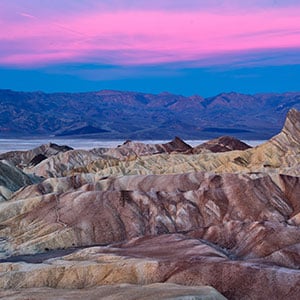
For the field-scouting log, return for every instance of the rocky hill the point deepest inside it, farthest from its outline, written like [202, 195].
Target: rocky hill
[153, 219]
[130, 115]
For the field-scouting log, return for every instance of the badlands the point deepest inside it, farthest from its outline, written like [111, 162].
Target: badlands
[162, 221]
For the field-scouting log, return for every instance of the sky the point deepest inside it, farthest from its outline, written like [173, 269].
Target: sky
[188, 47]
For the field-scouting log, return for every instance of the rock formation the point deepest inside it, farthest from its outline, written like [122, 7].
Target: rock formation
[133, 149]
[12, 179]
[165, 291]
[146, 214]
[222, 144]
[278, 155]
[52, 160]
[34, 156]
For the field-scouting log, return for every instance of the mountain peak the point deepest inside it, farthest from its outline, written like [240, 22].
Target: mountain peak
[292, 125]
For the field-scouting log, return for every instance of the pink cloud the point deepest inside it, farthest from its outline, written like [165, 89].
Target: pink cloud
[144, 37]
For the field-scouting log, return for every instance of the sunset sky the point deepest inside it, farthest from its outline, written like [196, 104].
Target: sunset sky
[184, 47]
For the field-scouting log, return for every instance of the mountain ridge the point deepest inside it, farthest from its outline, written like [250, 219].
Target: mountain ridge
[110, 114]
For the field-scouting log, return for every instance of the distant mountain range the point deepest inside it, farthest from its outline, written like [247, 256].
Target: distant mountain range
[130, 115]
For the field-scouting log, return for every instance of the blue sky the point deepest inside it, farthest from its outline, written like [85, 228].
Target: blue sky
[183, 47]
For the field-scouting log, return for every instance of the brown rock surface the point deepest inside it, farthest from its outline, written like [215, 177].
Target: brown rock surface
[163, 291]
[24, 158]
[133, 149]
[102, 217]
[63, 163]
[149, 259]
[217, 207]
[221, 144]
[69, 162]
